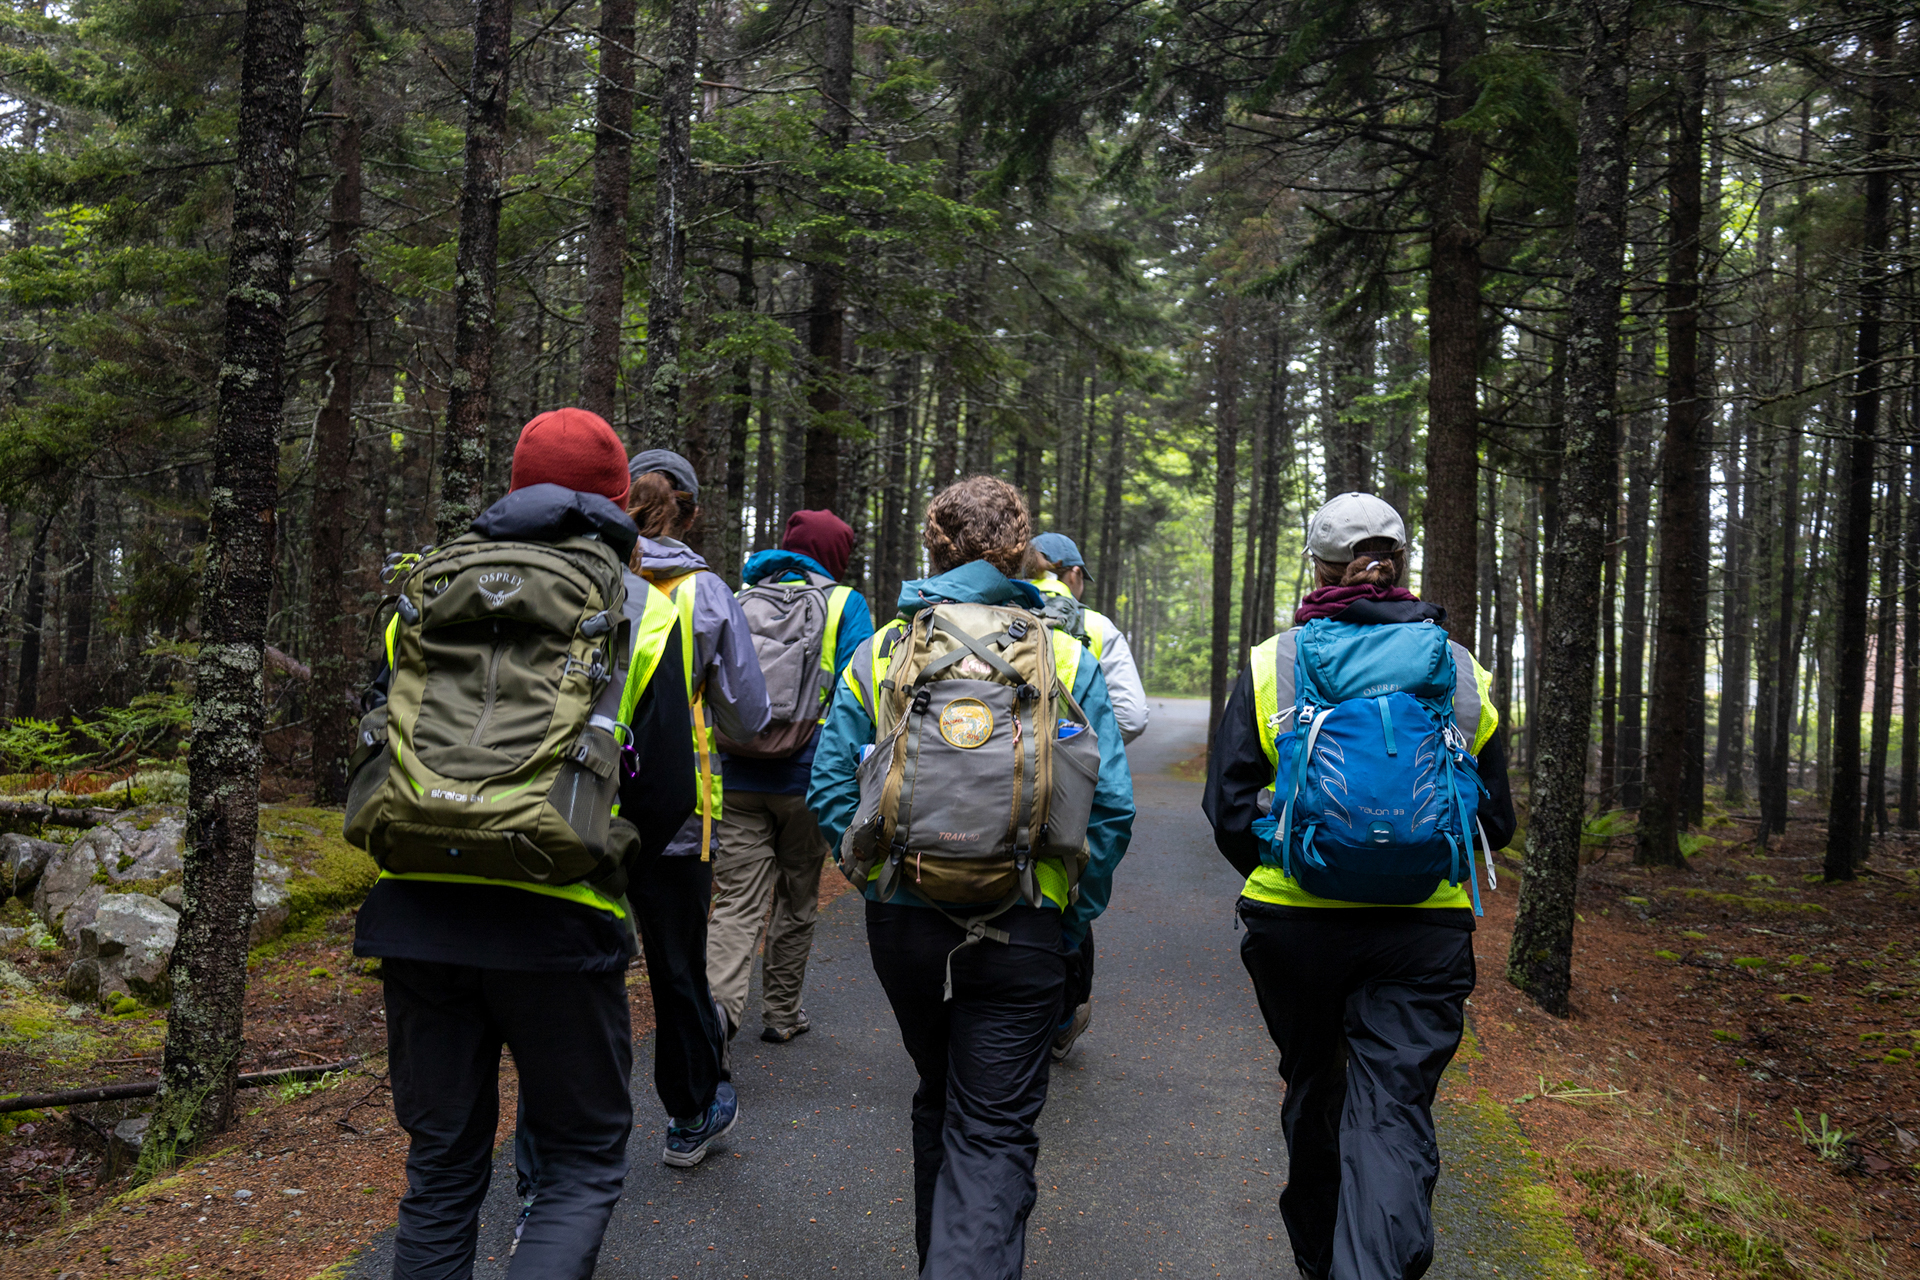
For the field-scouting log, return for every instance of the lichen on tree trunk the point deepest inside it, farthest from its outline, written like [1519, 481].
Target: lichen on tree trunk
[209, 964]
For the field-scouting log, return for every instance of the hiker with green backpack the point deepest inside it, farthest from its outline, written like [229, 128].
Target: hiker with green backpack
[530, 684]
[972, 777]
[768, 851]
[1356, 774]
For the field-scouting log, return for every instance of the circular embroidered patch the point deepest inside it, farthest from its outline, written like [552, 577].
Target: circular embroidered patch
[966, 722]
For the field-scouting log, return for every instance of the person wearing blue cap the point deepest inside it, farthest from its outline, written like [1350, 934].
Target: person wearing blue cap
[1055, 566]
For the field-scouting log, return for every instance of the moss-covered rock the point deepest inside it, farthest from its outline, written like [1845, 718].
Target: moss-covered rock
[328, 874]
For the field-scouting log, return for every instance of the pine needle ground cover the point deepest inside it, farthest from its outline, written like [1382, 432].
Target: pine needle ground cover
[1736, 1095]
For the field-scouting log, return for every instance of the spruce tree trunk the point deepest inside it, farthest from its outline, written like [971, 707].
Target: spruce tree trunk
[332, 647]
[463, 459]
[209, 965]
[1847, 844]
[1349, 451]
[607, 202]
[1633, 608]
[1107, 585]
[1609, 645]
[1251, 628]
[1886, 642]
[1740, 625]
[1453, 331]
[1279, 456]
[661, 379]
[33, 619]
[80, 577]
[1785, 651]
[826, 273]
[1540, 961]
[1682, 504]
[1910, 652]
[1226, 456]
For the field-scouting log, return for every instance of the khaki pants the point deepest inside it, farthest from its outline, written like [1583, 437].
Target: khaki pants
[769, 851]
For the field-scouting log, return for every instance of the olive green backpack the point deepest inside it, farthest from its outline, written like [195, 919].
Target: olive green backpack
[983, 764]
[497, 753]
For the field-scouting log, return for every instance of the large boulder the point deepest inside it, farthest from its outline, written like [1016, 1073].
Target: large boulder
[22, 860]
[271, 903]
[68, 894]
[125, 950]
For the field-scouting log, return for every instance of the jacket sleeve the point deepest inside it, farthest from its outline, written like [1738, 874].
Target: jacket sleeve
[833, 789]
[856, 628]
[736, 690]
[1124, 690]
[1237, 772]
[1110, 827]
[1496, 810]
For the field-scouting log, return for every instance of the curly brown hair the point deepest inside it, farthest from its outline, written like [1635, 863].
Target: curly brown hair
[978, 518]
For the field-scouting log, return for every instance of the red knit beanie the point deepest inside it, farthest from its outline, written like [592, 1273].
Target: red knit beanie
[574, 449]
[822, 535]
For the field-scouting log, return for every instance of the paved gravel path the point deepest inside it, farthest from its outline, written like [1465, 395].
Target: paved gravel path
[1160, 1151]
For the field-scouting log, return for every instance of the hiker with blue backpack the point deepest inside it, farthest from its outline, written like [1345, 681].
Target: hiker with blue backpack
[973, 779]
[1357, 772]
[768, 850]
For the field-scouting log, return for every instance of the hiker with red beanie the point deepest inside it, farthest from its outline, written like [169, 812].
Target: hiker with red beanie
[769, 849]
[535, 963]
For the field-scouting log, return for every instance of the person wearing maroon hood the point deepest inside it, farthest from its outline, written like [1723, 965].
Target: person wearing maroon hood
[1364, 1001]
[769, 849]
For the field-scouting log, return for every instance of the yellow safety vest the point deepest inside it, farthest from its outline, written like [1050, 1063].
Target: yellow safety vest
[1271, 884]
[649, 646]
[1051, 876]
[680, 590]
[1099, 625]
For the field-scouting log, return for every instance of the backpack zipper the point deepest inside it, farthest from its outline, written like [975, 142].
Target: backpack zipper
[493, 688]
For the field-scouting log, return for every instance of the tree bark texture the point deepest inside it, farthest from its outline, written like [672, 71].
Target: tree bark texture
[1847, 845]
[1226, 484]
[209, 964]
[826, 274]
[1453, 339]
[661, 380]
[463, 458]
[1910, 651]
[1540, 961]
[1682, 504]
[605, 305]
[332, 649]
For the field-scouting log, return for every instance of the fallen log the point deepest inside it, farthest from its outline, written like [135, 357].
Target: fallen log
[49, 815]
[147, 1088]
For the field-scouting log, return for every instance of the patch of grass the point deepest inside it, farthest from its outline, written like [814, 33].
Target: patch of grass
[1752, 962]
[1693, 935]
[1666, 955]
[1746, 904]
[1725, 1037]
[1819, 968]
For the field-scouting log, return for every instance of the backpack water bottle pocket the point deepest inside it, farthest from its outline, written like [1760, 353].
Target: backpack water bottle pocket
[588, 784]
[864, 844]
[1076, 775]
[368, 764]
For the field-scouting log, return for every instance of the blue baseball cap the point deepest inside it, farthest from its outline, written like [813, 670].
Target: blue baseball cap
[1060, 549]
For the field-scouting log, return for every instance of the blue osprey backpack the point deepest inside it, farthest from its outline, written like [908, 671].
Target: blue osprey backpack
[1376, 792]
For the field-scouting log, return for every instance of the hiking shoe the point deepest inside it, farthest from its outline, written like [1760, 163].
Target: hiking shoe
[780, 1035]
[688, 1147]
[1069, 1031]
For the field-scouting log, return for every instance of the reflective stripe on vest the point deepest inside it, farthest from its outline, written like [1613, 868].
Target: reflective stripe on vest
[681, 591]
[837, 598]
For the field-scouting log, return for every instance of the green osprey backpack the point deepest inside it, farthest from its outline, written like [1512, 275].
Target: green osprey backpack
[497, 754]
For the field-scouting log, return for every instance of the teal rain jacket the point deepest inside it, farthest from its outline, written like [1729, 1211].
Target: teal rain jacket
[834, 793]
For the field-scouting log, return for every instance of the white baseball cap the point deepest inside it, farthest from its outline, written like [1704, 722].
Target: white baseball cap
[1348, 520]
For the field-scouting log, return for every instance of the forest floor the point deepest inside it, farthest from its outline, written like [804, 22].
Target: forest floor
[1736, 1095]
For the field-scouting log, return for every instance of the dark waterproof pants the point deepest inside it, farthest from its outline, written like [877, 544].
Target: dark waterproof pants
[1079, 977]
[982, 1059]
[670, 897]
[1366, 1007]
[573, 1048]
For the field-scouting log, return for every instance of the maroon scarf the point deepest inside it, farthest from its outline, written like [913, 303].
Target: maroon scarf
[1325, 602]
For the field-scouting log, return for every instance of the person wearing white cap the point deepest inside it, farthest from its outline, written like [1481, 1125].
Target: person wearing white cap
[1359, 926]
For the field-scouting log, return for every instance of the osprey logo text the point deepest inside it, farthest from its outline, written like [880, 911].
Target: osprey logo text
[500, 586]
[440, 794]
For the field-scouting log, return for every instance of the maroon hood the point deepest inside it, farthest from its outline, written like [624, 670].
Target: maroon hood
[1325, 602]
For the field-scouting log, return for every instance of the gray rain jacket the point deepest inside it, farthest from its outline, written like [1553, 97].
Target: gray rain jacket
[723, 659]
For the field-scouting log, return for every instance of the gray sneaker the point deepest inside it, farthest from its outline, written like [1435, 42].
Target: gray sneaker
[1071, 1030]
[780, 1035]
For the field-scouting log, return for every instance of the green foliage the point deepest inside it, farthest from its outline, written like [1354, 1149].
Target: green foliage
[29, 745]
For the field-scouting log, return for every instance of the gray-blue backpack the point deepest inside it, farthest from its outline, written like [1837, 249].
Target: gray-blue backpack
[1376, 793]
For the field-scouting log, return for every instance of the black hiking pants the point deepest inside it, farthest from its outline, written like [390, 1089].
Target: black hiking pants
[1366, 1006]
[1079, 978]
[573, 1048]
[982, 1060]
[670, 898]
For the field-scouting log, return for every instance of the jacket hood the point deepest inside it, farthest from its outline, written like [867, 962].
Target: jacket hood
[765, 564]
[668, 557]
[550, 512]
[975, 582]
